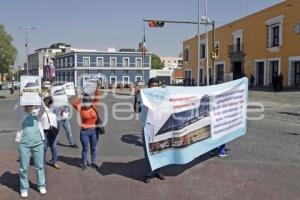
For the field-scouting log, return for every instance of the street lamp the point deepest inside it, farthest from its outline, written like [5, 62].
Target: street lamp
[27, 28]
[206, 20]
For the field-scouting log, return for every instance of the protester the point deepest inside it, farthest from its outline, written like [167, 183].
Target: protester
[49, 124]
[62, 116]
[252, 79]
[275, 81]
[153, 82]
[88, 132]
[30, 137]
[280, 82]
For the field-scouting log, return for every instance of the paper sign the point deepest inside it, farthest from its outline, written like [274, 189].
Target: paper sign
[30, 87]
[89, 87]
[69, 87]
[59, 95]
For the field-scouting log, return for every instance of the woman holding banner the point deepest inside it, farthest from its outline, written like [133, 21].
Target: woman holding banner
[30, 137]
[153, 82]
[87, 107]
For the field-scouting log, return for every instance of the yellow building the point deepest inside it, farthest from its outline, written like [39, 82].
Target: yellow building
[261, 44]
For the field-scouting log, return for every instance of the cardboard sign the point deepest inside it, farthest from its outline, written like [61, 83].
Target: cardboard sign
[59, 95]
[70, 89]
[30, 87]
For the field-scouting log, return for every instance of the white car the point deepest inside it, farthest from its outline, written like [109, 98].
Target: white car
[46, 84]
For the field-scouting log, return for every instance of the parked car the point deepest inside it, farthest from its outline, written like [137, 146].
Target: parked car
[140, 83]
[46, 84]
[17, 85]
[9, 85]
[119, 85]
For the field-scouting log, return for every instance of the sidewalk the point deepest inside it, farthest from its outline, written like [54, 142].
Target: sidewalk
[5, 94]
[121, 178]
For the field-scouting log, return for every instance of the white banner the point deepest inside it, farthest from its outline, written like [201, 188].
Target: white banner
[182, 123]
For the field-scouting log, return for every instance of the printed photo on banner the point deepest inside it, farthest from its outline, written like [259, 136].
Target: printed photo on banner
[59, 95]
[89, 87]
[30, 87]
[70, 89]
[179, 127]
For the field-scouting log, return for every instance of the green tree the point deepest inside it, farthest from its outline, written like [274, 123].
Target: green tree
[156, 62]
[8, 52]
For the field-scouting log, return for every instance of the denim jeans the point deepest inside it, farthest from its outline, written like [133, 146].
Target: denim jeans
[50, 141]
[66, 124]
[148, 170]
[37, 153]
[88, 137]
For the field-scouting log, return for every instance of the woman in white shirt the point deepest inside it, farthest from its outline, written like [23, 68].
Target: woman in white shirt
[62, 116]
[49, 119]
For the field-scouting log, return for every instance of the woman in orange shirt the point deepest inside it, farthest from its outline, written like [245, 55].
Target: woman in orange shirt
[88, 133]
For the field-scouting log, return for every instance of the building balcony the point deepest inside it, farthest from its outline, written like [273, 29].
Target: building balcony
[236, 50]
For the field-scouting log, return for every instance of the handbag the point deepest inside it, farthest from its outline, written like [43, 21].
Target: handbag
[52, 130]
[99, 125]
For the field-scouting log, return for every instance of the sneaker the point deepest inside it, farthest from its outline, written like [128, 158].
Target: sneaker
[75, 146]
[84, 168]
[222, 155]
[94, 166]
[43, 190]
[24, 194]
[160, 176]
[56, 166]
[147, 179]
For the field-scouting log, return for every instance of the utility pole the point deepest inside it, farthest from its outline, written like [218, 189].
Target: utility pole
[198, 46]
[27, 28]
[206, 49]
[214, 53]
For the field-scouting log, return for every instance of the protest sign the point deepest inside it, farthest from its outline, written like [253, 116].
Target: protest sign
[179, 127]
[89, 87]
[30, 87]
[59, 95]
[69, 87]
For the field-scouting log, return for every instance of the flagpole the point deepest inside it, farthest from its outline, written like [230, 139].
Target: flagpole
[143, 54]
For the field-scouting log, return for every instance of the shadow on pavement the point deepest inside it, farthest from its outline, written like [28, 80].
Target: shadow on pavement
[62, 145]
[12, 181]
[72, 161]
[135, 169]
[135, 139]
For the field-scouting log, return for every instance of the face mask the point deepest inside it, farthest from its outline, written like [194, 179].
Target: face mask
[87, 104]
[50, 101]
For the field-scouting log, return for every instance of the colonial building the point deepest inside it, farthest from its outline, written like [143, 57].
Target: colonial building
[111, 66]
[40, 62]
[171, 62]
[260, 44]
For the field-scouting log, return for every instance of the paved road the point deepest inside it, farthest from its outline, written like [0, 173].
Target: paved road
[263, 164]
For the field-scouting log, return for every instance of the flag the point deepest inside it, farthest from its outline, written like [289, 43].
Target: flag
[144, 44]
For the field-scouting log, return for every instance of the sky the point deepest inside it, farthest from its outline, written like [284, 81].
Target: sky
[99, 24]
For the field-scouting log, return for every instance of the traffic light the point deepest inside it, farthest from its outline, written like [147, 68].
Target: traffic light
[213, 55]
[216, 49]
[155, 23]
